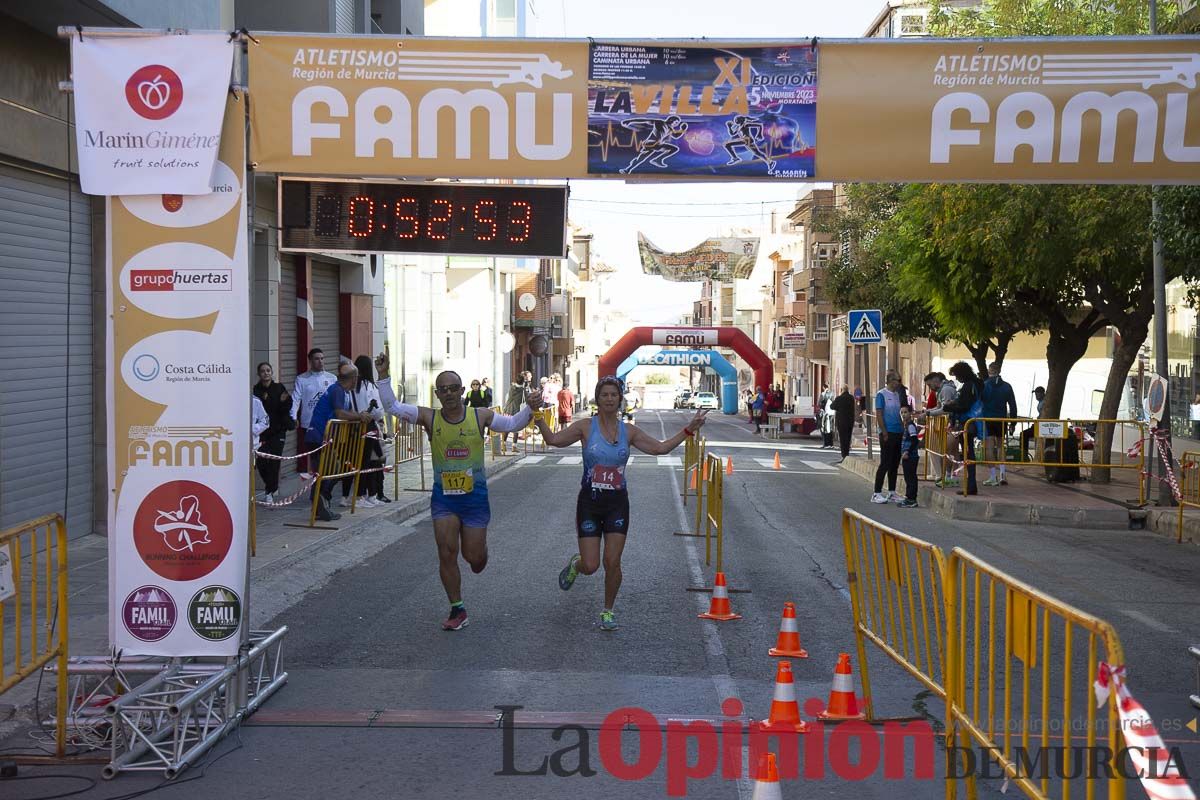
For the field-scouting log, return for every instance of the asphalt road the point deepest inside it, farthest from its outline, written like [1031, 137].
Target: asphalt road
[370, 640]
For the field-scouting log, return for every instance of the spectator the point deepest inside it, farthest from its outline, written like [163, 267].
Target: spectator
[968, 403]
[335, 403]
[308, 389]
[487, 394]
[749, 398]
[259, 421]
[566, 406]
[276, 403]
[366, 398]
[943, 391]
[758, 409]
[1039, 395]
[825, 415]
[888, 402]
[844, 412]
[476, 398]
[516, 397]
[999, 400]
[549, 393]
[910, 454]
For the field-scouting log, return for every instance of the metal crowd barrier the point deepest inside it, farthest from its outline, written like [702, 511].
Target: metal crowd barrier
[340, 459]
[38, 596]
[408, 444]
[1129, 450]
[697, 445]
[1189, 487]
[897, 599]
[714, 510]
[693, 457]
[998, 624]
[937, 440]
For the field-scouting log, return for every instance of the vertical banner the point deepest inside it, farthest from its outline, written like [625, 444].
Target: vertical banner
[178, 412]
[730, 112]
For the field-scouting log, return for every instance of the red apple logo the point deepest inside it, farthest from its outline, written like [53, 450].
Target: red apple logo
[172, 202]
[154, 92]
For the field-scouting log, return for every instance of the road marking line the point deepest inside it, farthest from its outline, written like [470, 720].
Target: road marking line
[766, 462]
[534, 459]
[670, 461]
[818, 464]
[571, 460]
[1147, 621]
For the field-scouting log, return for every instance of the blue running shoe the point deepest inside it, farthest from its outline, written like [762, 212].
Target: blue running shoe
[569, 573]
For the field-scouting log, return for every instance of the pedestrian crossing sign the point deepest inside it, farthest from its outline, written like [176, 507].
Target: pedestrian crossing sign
[865, 326]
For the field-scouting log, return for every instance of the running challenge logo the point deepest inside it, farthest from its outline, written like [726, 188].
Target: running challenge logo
[182, 530]
[180, 280]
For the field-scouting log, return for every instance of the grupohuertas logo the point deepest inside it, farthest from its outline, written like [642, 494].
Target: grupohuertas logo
[1043, 122]
[215, 613]
[154, 92]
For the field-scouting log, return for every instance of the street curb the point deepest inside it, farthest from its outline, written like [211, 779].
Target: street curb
[955, 506]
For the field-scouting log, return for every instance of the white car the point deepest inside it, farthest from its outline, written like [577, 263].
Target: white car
[704, 400]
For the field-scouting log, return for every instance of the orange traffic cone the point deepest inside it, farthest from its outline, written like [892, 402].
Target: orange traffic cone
[728, 465]
[842, 704]
[777, 464]
[788, 643]
[785, 711]
[718, 607]
[706, 469]
[692, 482]
[766, 780]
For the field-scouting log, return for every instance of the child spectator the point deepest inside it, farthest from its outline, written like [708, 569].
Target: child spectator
[910, 455]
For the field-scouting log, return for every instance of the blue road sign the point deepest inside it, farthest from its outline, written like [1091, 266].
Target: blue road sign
[866, 326]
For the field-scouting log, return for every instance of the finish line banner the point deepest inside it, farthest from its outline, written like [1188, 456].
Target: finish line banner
[1069, 111]
[179, 413]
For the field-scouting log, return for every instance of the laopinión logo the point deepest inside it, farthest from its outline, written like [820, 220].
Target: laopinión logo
[176, 279]
[154, 92]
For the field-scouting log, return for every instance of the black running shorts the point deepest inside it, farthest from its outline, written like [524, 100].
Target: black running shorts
[600, 511]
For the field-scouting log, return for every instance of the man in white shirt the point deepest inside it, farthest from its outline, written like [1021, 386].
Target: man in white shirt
[307, 391]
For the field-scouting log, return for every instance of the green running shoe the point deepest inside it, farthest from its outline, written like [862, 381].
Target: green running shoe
[608, 621]
[567, 577]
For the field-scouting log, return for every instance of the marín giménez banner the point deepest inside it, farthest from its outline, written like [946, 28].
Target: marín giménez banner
[738, 112]
[721, 259]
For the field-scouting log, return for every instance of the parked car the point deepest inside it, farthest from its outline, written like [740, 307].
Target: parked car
[704, 400]
[681, 399]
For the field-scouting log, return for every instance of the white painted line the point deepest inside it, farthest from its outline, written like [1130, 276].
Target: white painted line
[770, 463]
[670, 461]
[738, 470]
[1149, 622]
[571, 460]
[534, 459]
[818, 464]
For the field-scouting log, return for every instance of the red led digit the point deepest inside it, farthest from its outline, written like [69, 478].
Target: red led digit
[520, 215]
[362, 216]
[485, 220]
[438, 226]
[408, 212]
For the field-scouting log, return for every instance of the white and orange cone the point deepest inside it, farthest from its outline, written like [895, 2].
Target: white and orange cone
[766, 779]
[842, 703]
[718, 606]
[785, 711]
[787, 645]
[728, 465]
[777, 465]
[692, 484]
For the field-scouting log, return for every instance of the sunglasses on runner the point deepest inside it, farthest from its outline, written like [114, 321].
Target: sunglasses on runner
[452, 389]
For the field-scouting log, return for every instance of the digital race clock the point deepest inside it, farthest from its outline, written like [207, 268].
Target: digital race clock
[437, 218]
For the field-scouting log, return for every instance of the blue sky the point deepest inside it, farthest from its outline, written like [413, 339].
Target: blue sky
[677, 216]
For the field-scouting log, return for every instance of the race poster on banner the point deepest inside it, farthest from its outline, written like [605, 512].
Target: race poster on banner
[1103, 110]
[148, 111]
[720, 259]
[418, 107]
[735, 112]
[179, 413]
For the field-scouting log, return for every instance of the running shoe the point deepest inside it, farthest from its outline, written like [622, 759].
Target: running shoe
[608, 621]
[906, 503]
[879, 497]
[456, 621]
[569, 573]
[991, 482]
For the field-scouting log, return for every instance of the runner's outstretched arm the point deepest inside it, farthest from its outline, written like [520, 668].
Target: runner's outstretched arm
[650, 446]
[562, 438]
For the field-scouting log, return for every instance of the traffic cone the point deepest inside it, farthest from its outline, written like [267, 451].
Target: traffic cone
[718, 606]
[777, 464]
[788, 643]
[692, 483]
[706, 469]
[728, 465]
[785, 711]
[842, 704]
[766, 780]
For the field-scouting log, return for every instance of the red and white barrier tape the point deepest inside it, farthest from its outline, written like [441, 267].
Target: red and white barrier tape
[287, 501]
[273, 457]
[1147, 752]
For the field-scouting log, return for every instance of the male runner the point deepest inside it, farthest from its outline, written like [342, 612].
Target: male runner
[602, 508]
[307, 391]
[746, 131]
[459, 503]
[655, 147]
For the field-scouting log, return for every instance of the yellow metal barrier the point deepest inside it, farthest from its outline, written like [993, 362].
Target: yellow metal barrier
[342, 455]
[994, 621]
[1127, 435]
[701, 480]
[937, 440]
[408, 444]
[897, 599]
[690, 454]
[43, 605]
[1189, 487]
[714, 510]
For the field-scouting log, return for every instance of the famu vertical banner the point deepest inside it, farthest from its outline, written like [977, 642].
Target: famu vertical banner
[178, 412]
